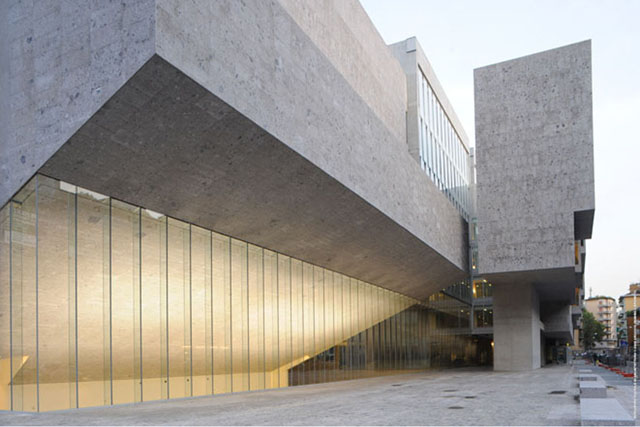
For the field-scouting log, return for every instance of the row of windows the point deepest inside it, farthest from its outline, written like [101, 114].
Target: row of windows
[443, 156]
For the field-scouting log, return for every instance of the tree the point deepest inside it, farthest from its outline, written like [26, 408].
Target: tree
[592, 330]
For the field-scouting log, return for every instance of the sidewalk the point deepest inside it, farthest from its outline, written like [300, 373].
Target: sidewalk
[546, 396]
[618, 387]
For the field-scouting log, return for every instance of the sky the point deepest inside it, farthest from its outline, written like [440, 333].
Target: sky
[460, 35]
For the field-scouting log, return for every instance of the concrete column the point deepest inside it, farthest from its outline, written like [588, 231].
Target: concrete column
[516, 327]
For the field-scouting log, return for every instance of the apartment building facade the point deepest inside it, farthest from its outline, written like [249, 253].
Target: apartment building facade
[604, 309]
[202, 198]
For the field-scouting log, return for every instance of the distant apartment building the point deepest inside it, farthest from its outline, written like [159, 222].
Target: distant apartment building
[604, 310]
[626, 304]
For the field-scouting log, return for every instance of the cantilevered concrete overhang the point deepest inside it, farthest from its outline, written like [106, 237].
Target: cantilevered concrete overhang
[166, 143]
[244, 117]
[553, 284]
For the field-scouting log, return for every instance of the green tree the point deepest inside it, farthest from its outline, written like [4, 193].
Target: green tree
[592, 330]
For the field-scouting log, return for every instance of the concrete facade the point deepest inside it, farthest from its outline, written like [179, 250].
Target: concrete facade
[311, 98]
[61, 62]
[535, 194]
[538, 106]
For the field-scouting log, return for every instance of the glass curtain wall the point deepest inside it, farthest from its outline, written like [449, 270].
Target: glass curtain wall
[103, 302]
[443, 156]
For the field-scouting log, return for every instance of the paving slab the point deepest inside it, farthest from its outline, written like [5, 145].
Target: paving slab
[593, 389]
[588, 377]
[604, 412]
[449, 397]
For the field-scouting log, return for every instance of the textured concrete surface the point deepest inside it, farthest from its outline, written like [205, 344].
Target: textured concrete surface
[343, 32]
[60, 62]
[557, 321]
[256, 58]
[166, 143]
[534, 137]
[268, 69]
[516, 328]
[453, 397]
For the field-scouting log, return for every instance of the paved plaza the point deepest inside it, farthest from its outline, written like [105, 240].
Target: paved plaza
[618, 387]
[545, 396]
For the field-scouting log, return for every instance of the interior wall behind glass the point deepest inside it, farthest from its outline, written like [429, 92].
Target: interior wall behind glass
[56, 295]
[104, 302]
[5, 308]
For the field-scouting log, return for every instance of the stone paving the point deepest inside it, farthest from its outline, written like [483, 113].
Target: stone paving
[546, 396]
[619, 387]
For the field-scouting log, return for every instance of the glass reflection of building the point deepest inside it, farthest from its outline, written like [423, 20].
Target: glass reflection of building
[103, 302]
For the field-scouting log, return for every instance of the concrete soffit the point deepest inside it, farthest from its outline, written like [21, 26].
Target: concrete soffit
[165, 143]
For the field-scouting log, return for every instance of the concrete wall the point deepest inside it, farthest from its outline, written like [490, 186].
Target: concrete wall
[327, 91]
[343, 32]
[534, 138]
[59, 63]
[516, 327]
[557, 321]
[270, 70]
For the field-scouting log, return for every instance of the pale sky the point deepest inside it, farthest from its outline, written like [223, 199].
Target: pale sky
[460, 35]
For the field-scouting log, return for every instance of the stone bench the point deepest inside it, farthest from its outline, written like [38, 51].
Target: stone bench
[589, 377]
[593, 390]
[608, 412]
[585, 371]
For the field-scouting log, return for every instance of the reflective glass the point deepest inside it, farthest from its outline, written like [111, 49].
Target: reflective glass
[108, 303]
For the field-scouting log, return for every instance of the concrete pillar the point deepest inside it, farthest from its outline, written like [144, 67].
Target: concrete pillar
[516, 327]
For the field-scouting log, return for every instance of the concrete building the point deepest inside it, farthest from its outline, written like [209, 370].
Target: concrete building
[211, 197]
[605, 312]
[535, 197]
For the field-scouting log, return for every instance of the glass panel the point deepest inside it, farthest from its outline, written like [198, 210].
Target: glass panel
[239, 316]
[271, 319]
[329, 331]
[221, 313]
[153, 274]
[125, 304]
[94, 379]
[284, 318]
[256, 319]
[178, 302]
[308, 344]
[5, 307]
[201, 345]
[318, 324]
[23, 364]
[297, 347]
[56, 295]
[338, 326]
